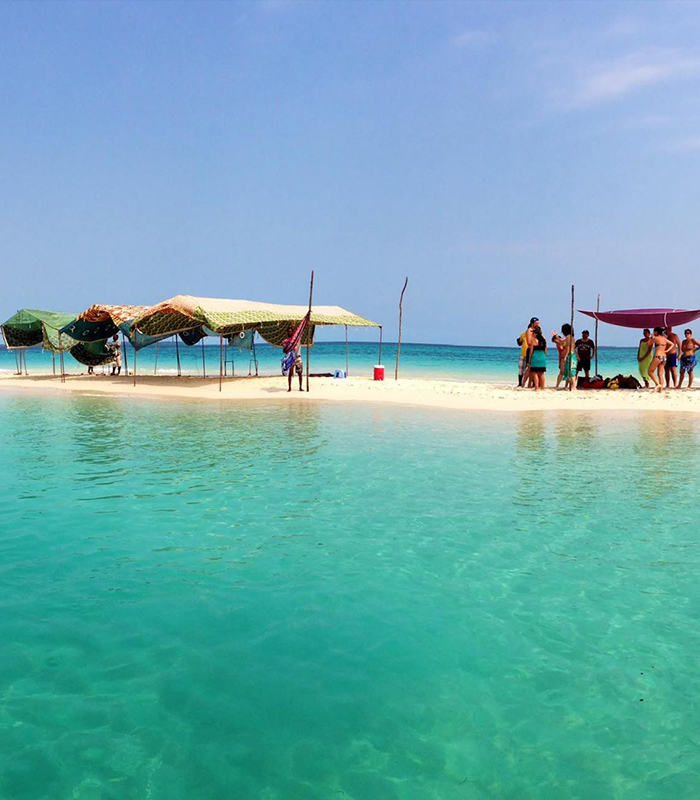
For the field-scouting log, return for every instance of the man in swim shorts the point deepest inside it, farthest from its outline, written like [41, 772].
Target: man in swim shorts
[585, 350]
[670, 370]
[689, 346]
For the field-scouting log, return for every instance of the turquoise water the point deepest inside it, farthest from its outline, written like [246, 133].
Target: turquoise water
[274, 602]
[417, 360]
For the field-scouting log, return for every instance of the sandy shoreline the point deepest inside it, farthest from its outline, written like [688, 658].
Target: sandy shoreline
[415, 392]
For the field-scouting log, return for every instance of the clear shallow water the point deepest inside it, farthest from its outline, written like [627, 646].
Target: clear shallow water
[273, 602]
[417, 360]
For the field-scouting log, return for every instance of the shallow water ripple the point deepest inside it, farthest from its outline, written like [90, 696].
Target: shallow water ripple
[210, 602]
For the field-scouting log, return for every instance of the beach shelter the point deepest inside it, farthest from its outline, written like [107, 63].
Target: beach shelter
[32, 326]
[645, 317]
[226, 318]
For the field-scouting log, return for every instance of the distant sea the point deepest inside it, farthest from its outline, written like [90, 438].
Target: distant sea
[449, 362]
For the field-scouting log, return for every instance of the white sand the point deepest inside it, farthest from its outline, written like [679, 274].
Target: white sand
[416, 392]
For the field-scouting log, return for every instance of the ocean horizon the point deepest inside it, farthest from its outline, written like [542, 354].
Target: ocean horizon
[435, 361]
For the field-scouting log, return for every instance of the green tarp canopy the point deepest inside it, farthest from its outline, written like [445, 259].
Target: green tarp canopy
[32, 326]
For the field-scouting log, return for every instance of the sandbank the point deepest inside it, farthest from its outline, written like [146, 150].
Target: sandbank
[429, 393]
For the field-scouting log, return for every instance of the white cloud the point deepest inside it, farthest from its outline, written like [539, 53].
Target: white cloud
[472, 38]
[614, 79]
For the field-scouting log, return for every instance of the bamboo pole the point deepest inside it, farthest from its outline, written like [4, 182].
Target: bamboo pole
[597, 309]
[53, 363]
[26, 371]
[126, 361]
[574, 382]
[60, 358]
[347, 355]
[398, 348]
[155, 365]
[204, 361]
[135, 352]
[381, 336]
[309, 329]
[177, 355]
[221, 360]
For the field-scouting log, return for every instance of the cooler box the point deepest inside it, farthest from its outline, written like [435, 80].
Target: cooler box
[378, 372]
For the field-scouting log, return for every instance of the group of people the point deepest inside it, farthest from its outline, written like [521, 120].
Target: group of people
[575, 355]
[115, 348]
[658, 355]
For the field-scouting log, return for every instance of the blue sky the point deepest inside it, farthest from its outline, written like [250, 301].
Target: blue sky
[494, 152]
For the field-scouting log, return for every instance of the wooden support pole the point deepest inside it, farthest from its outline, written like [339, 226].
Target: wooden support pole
[597, 308]
[204, 360]
[177, 355]
[155, 365]
[398, 347]
[135, 352]
[60, 358]
[221, 360]
[53, 362]
[309, 330]
[347, 355]
[381, 336]
[126, 361]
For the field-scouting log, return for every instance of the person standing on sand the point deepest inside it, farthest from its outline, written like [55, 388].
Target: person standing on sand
[672, 358]
[291, 362]
[538, 358]
[585, 350]
[645, 353]
[689, 346]
[525, 341]
[117, 351]
[663, 347]
[567, 357]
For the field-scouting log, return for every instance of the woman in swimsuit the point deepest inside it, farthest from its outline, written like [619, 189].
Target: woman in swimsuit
[567, 356]
[663, 347]
[688, 357]
[538, 358]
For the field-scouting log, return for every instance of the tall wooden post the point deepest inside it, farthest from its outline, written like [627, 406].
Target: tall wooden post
[309, 329]
[597, 308]
[53, 362]
[347, 355]
[155, 365]
[381, 336]
[126, 361]
[204, 360]
[177, 355]
[398, 348]
[60, 358]
[221, 360]
[135, 352]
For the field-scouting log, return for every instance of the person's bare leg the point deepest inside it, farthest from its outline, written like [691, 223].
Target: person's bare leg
[674, 375]
[653, 369]
[680, 379]
[290, 376]
[301, 375]
[690, 378]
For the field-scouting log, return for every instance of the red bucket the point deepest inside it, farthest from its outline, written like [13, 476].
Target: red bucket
[378, 372]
